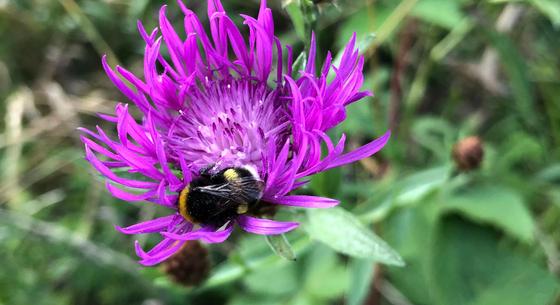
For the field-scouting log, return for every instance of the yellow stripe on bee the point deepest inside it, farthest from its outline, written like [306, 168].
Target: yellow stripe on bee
[231, 175]
[183, 204]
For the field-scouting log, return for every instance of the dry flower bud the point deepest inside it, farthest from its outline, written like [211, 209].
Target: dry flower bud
[190, 265]
[468, 153]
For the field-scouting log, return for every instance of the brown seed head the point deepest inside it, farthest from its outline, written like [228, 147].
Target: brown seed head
[468, 153]
[190, 266]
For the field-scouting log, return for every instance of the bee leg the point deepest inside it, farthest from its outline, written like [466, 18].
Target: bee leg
[243, 208]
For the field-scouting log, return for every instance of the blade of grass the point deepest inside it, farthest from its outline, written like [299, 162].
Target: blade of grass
[100, 45]
[391, 23]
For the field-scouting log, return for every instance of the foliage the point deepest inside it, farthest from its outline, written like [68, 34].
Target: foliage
[440, 71]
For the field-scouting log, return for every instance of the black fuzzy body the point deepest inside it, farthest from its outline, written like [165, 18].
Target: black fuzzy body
[214, 199]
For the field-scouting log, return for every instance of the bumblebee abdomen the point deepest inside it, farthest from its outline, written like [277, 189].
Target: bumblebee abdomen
[182, 204]
[216, 199]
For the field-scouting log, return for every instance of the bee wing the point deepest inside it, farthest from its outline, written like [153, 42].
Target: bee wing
[221, 190]
[241, 191]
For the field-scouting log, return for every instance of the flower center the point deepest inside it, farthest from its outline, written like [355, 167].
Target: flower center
[228, 124]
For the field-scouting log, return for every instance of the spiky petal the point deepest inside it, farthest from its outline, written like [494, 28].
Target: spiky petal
[212, 104]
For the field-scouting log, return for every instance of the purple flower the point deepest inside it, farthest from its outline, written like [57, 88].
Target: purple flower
[220, 100]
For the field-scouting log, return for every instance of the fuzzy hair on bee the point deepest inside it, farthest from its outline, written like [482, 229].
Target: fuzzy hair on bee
[214, 199]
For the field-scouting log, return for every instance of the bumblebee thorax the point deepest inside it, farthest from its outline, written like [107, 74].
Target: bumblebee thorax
[214, 199]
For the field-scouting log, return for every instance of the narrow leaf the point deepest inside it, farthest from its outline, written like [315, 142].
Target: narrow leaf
[281, 246]
[299, 63]
[361, 275]
[296, 15]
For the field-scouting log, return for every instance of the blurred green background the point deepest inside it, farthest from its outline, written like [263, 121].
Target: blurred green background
[441, 70]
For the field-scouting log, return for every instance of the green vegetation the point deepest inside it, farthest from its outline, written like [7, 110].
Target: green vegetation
[441, 70]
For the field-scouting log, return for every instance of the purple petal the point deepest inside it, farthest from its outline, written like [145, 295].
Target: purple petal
[160, 153]
[150, 226]
[358, 96]
[166, 248]
[289, 61]
[172, 40]
[304, 201]
[98, 148]
[265, 226]
[362, 152]
[117, 81]
[278, 164]
[310, 67]
[188, 84]
[102, 169]
[207, 234]
[126, 196]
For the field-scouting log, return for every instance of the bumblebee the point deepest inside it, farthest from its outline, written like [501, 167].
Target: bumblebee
[214, 199]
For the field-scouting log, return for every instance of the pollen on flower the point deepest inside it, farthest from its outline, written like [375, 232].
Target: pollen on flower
[229, 137]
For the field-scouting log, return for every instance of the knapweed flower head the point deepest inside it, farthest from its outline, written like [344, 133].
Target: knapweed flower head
[216, 99]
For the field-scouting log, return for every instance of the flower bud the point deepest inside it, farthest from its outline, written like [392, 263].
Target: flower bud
[190, 265]
[468, 153]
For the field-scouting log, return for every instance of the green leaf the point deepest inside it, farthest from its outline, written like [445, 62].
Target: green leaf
[326, 278]
[137, 8]
[550, 8]
[251, 254]
[419, 184]
[327, 183]
[299, 63]
[407, 191]
[470, 267]
[361, 274]
[344, 233]
[358, 119]
[244, 299]
[410, 231]
[225, 273]
[443, 13]
[293, 9]
[273, 280]
[520, 148]
[454, 38]
[363, 23]
[494, 205]
[516, 70]
[281, 246]
[550, 173]
[435, 134]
